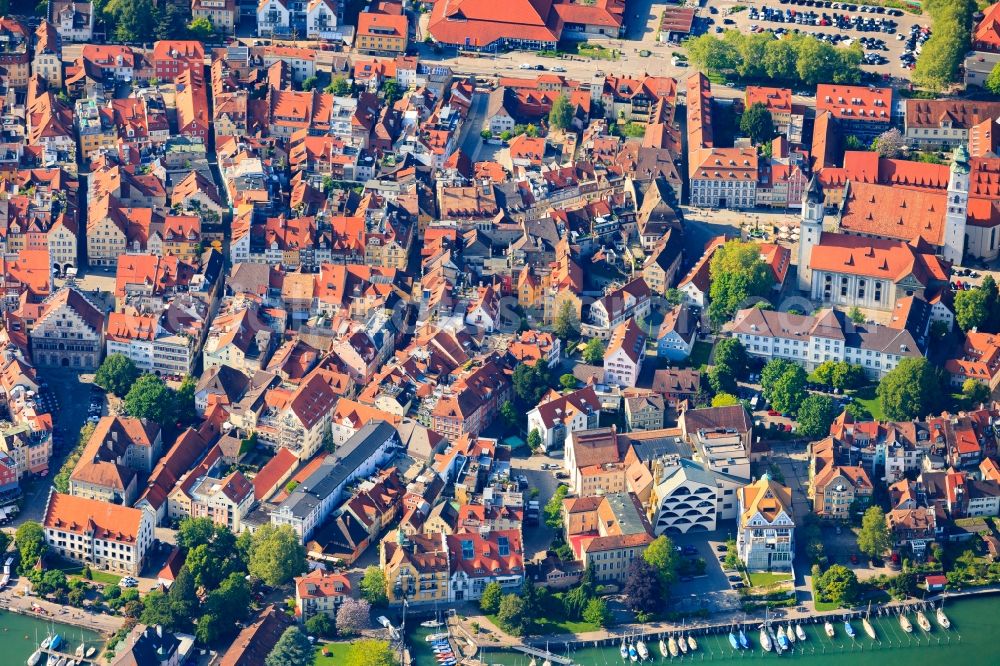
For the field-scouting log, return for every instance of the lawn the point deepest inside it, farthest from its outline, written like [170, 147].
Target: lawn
[551, 626]
[766, 579]
[824, 606]
[700, 354]
[866, 398]
[73, 570]
[338, 654]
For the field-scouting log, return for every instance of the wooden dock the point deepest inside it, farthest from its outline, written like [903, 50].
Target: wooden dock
[535, 652]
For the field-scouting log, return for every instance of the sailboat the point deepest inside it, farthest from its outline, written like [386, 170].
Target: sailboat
[765, 640]
[682, 644]
[692, 643]
[432, 624]
[828, 627]
[632, 654]
[867, 625]
[904, 622]
[663, 649]
[672, 646]
[942, 619]
[624, 650]
[91, 651]
[35, 657]
[783, 639]
[744, 641]
[643, 650]
[848, 628]
[923, 622]
[790, 633]
[800, 633]
[733, 640]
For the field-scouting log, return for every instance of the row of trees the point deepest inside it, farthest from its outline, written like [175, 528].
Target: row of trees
[144, 20]
[941, 56]
[793, 60]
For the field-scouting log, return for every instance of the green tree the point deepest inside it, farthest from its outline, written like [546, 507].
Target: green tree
[509, 414]
[737, 274]
[554, 507]
[157, 610]
[531, 381]
[149, 398]
[116, 374]
[568, 381]
[975, 393]
[567, 323]
[208, 628]
[660, 555]
[561, 114]
[989, 287]
[909, 390]
[838, 585]
[373, 586]
[971, 309]
[534, 439]
[182, 407]
[593, 352]
[277, 555]
[597, 612]
[848, 376]
[757, 123]
[710, 54]
[816, 413]
[292, 649]
[941, 57]
[729, 364]
[183, 598]
[231, 601]
[173, 24]
[320, 625]
[194, 532]
[856, 315]
[510, 615]
[201, 29]
[724, 400]
[309, 83]
[339, 86]
[992, 82]
[391, 91]
[135, 19]
[30, 542]
[370, 652]
[874, 538]
[490, 600]
[784, 384]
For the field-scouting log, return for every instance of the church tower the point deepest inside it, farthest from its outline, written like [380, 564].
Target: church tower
[958, 206]
[810, 230]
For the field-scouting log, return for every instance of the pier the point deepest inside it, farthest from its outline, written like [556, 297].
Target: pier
[544, 654]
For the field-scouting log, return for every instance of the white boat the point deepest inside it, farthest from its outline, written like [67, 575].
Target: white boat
[782, 639]
[692, 643]
[533, 662]
[942, 619]
[436, 637]
[800, 633]
[45, 643]
[923, 622]
[790, 633]
[663, 649]
[432, 624]
[828, 627]
[641, 648]
[35, 657]
[546, 663]
[624, 651]
[672, 646]
[765, 640]
[905, 623]
[682, 644]
[79, 650]
[869, 629]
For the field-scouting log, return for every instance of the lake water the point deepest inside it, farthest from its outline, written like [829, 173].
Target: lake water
[972, 640]
[17, 637]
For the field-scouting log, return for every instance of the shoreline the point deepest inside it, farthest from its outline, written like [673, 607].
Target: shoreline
[707, 626]
[103, 625]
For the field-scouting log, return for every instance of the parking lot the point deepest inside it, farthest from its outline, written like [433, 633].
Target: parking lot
[887, 33]
[713, 591]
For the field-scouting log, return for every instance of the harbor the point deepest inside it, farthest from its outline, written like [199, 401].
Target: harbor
[22, 636]
[961, 634]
